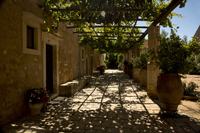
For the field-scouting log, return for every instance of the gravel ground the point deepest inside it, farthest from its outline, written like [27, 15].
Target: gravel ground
[191, 108]
[193, 78]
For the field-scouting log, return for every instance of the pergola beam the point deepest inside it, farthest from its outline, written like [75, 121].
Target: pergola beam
[113, 39]
[163, 15]
[113, 36]
[68, 10]
[79, 20]
[75, 32]
[111, 26]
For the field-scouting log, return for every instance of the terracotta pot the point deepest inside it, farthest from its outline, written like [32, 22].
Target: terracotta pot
[126, 69]
[44, 105]
[170, 91]
[35, 108]
[136, 72]
[130, 73]
[143, 77]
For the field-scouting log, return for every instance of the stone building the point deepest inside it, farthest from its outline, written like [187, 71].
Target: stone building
[30, 57]
[197, 34]
[145, 46]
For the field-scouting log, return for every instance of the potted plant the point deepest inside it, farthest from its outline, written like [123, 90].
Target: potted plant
[130, 68]
[36, 98]
[101, 69]
[143, 60]
[171, 57]
[126, 66]
[189, 89]
[136, 69]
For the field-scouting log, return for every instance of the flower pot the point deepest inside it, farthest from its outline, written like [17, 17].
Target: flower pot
[126, 69]
[101, 69]
[44, 105]
[136, 72]
[143, 77]
[170, 91]
[35, 108]
[130, 73]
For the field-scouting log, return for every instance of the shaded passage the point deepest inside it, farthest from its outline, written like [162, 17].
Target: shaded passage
[110, 103]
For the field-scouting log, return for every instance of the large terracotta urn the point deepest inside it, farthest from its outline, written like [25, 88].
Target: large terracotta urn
[170, 91]
[126, 69]
[130, 73]
[143, 77]
[35, 108]
[135, 75]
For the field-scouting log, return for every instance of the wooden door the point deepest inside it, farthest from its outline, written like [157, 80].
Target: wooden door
[87, 66]
[49, 68]
[91, 65]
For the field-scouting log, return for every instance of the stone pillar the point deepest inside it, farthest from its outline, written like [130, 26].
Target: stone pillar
[129, 56]
[152, 69]
[101, 60]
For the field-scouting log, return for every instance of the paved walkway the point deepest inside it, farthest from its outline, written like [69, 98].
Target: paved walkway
[111, 103]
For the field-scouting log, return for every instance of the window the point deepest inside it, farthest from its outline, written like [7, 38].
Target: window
[30, 37]
[31, 33]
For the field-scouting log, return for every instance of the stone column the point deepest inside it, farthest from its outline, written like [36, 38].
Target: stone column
[101, 60]
[152, 69]
[129, 55]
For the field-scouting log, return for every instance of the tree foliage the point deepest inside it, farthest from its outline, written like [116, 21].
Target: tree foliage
[173, 56]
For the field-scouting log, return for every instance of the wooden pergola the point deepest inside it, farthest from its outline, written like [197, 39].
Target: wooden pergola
[108, 35]
[114, 29]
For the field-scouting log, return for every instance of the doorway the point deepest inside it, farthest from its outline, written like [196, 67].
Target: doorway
[49, 68]
[91, 65]
[86, 66]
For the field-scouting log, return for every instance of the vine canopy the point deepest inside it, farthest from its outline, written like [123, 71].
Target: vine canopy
[112, 25]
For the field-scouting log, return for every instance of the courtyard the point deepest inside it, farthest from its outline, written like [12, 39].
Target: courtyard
[110, 103]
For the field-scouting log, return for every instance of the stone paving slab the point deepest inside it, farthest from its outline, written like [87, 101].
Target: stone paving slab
[110, 103]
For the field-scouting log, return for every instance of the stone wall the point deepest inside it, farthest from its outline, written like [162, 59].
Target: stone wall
[20, 72]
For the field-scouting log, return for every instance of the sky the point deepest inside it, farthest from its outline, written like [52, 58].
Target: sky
[190, 22]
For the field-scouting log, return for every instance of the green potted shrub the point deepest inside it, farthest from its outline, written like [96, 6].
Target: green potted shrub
[189, 89]
[172, 58]
[120, 61]
[106, 64]
[36, 99]
[120, 66]
[143, 60]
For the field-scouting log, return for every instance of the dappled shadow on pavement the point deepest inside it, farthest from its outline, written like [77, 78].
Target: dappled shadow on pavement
[111, 103]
